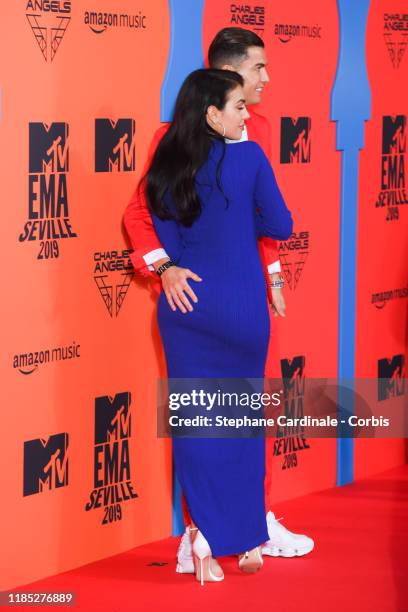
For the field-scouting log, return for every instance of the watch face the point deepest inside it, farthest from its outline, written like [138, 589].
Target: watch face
[278, 284]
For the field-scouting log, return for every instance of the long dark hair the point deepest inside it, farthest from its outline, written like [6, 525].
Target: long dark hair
[186, 145]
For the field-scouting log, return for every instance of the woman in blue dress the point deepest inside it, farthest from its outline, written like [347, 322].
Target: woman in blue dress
[210, 202]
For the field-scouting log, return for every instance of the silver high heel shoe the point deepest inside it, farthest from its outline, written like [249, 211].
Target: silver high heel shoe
[251, 561]
[202, 552]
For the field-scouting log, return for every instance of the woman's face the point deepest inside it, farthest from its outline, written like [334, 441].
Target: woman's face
[232, 116]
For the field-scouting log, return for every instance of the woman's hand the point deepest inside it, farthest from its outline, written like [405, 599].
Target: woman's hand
[176, 287]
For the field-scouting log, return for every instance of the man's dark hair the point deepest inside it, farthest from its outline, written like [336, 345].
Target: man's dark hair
[230, 46]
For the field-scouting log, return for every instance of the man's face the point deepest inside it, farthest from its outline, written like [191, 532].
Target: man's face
[253, 70]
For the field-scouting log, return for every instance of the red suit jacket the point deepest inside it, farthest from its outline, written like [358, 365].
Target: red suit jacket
[138, 221]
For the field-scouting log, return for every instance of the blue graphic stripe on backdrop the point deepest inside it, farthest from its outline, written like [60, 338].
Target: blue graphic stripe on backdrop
[185, 55]
[350, 107]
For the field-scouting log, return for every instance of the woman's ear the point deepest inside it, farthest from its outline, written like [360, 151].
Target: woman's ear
[212, 114]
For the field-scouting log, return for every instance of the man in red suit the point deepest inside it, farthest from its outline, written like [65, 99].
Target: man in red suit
[243, 51]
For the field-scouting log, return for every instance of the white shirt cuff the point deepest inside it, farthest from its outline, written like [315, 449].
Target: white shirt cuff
[153, 256]
[274, 267]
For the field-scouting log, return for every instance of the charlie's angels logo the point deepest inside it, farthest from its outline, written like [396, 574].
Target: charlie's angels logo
[45, 464]
[393, 186]
[391, 377]
[293, 255]
[49, 21]
[113, 272]
[248, 16]
[115, 145]
[112, 478]
[396, 36]
[290, 440]
[48, 213]
[295, 140]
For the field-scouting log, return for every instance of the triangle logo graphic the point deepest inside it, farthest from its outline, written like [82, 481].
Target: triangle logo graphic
[396, 44]
[48, 30]
[292, 267]
[107, 290]
[122, 289]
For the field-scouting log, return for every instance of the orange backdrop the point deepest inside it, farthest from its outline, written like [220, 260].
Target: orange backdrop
[382, 321]
[85, 475]
[79, 80]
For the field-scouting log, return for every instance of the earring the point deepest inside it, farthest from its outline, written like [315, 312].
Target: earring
[223, 128]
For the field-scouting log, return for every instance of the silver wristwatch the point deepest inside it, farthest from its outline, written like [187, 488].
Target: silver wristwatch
[278, 284]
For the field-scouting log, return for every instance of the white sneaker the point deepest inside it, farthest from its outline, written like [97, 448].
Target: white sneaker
[185, 563]
[284, 543]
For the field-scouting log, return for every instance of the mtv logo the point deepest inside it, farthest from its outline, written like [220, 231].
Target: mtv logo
[48, 148]
[295, 140]
[293, 375]
[394, 138]
[45, 464]
[115, 145]
[112, 418]
[391, 381]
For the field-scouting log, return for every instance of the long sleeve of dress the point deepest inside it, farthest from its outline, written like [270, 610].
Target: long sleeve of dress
[272, 216]
[259, 131]
[168, 233]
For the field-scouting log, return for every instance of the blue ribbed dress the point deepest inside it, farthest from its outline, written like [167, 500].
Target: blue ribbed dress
[226, 335]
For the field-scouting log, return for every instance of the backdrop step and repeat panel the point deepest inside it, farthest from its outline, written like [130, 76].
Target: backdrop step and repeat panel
[382, 256]
[86, 475]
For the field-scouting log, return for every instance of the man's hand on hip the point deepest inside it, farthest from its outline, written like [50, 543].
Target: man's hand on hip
[177, 289]
[278, 299]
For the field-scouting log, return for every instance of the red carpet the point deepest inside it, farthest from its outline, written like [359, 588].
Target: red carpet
[359, 563]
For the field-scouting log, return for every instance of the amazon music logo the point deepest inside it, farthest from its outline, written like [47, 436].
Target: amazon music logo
[112, 478]
[290, 439]
[293, 254]
[285, 32]
[295, 140]
[379, 300]
[391, 377]
[115, 145]
[395, 31]
[27, 363]
[49, 20]
[48, 211]
[45, 464]
[393, 192]
[113, 272]
[248, 16]
[98, 21]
